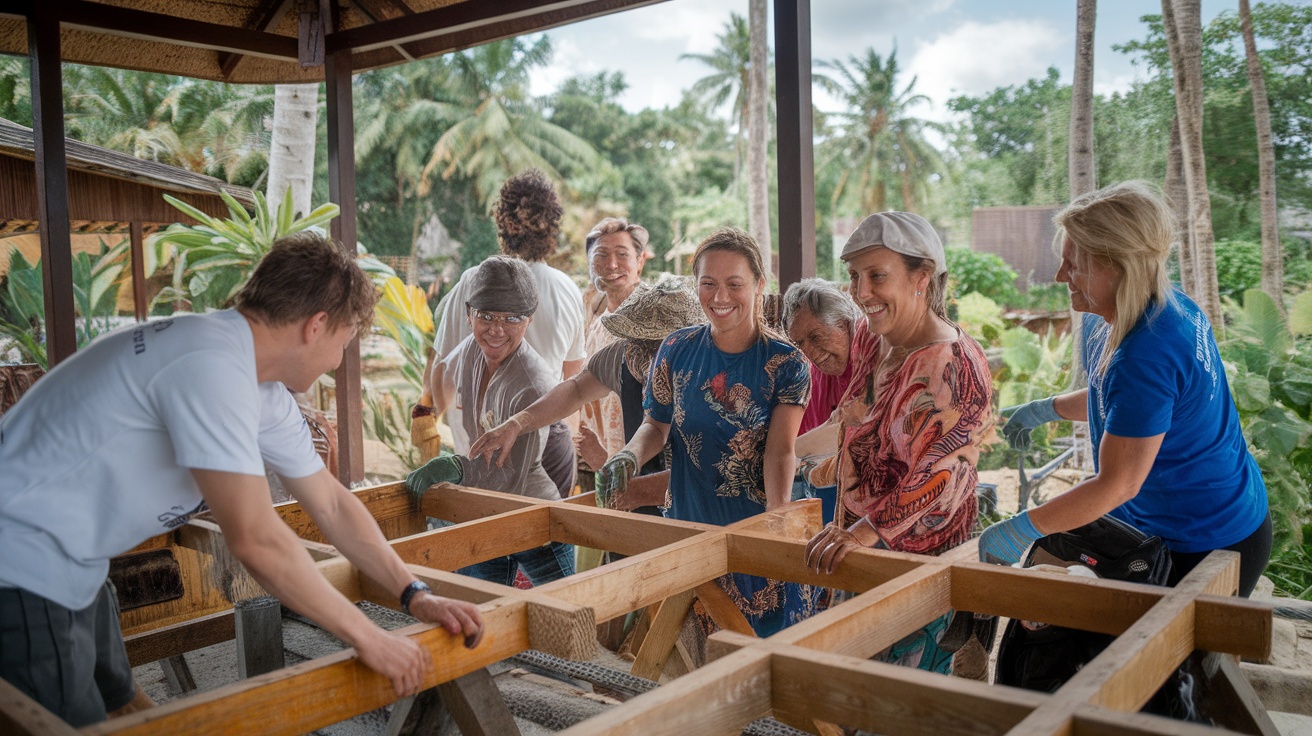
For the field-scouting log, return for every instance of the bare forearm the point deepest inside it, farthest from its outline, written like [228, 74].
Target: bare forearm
[779, 471]
[1073, 406]
[565, 399]
[645, 490]
[647, 441]
[1080, 505]
[355, 533]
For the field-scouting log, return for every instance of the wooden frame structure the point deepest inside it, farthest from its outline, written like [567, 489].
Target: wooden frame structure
[815, 672]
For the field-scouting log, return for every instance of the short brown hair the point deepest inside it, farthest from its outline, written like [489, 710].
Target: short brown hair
[528, 216]
[306, 273]
[637, 233]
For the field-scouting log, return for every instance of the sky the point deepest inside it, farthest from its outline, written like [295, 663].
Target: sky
[950, 46]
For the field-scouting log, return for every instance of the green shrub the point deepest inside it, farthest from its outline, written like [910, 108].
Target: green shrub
[1238, 267]
[981, 273]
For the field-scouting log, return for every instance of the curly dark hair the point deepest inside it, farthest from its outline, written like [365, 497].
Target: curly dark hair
[528, 216]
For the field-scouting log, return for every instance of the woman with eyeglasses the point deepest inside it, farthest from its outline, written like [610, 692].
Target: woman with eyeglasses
[492, 375]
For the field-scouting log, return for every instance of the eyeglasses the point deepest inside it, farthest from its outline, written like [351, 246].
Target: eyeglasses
[490, 318]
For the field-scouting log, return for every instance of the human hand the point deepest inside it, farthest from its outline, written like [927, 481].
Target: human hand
[1004, 542]
[398, 658]
[613, 478]
[495, 443]
[829, 547]
[443, 469]
[589, 447]
[1024, 418]
[458, 617]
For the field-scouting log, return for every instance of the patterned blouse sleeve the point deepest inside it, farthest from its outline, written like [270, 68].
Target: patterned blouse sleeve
[658, 395]
[792, 383]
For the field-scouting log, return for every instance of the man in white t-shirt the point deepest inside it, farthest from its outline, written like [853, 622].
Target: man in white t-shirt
[154, 423]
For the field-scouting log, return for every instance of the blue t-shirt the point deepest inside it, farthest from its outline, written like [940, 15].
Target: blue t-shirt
[1204, 491]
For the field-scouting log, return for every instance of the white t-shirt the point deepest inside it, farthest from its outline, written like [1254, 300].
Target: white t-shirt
[556, 332]
[97, 455]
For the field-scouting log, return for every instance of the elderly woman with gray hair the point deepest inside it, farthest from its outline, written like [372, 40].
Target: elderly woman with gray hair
[909, 427]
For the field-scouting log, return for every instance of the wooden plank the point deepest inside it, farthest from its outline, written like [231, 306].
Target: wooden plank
[129, 23]
[1091, 721]
[754, 553]
[259, 636]
[722, 610]
[1127, 673]
[326, 690]
[453, 547]
[43, 53]
[140, 307]
[262, 18]
[476, 705]
[662, 635]
[617, 531]
[443, 583]
[629, 584]
[1234, 625]
[450, 502]
[419, 715]
[718, 699]
[1229, 699]
[178, 674]
[385, 503]
[23, 716]
[178, 638]
[884, 698]
[796, 520]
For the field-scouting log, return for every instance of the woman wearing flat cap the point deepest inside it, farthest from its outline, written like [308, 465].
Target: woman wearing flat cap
[492, 375]
[911, 421]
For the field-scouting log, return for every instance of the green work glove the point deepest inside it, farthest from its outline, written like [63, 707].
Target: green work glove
[442, 469]
[1023, 419]
[613, 478]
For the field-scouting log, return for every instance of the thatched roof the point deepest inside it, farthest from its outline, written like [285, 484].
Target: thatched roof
[265, 41]
[107, 189]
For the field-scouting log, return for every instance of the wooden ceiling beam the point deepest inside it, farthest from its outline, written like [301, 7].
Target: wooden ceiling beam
[471, 23]
[263, 19]
[118, 21]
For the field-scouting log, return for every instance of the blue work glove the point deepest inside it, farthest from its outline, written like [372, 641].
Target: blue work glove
[613, 478]
[1022, 420]
[1004, 542]
[441, 469]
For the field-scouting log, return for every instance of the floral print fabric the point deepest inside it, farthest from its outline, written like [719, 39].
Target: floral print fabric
[910, 438]
[718, 406]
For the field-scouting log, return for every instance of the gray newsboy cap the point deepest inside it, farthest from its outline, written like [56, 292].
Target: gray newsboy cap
[503, 284]
[900, 232]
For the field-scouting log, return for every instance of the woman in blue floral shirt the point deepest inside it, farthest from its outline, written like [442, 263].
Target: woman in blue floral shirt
[729, 397]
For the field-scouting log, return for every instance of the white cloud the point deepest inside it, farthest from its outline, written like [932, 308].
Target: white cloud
[692, 24]
[977, 57]
[567, 60]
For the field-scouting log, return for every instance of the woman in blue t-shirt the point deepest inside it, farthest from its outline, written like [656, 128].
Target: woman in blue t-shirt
[729, 397]
[1171, 458]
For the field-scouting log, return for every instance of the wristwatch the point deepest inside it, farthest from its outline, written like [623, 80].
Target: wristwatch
[410, 592]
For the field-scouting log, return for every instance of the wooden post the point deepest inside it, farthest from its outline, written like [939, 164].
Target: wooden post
[792, 60]
[43, 51]
[178, 674]
[138, 271]
[341, 191]
[477, 706]
[259, 636]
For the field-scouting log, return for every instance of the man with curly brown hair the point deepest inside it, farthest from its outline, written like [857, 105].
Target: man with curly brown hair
[527, 216]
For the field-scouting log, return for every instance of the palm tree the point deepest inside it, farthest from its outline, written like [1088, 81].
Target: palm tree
[291, 150]
[1082, 176]
[1273, 276]
[758, 174]
[879, 143]
[1182, 20]
[730, 63]
[494, 130]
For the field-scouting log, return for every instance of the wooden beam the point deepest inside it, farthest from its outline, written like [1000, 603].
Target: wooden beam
[765, 555]
[476, 706]
[450, 502]
[341, 191]
[617, 531]
[259, 636]
[1091, 721]
[716, 700]
[458, 546]
[179, 638]
[885, 698]
[323, 691]
[1229, 699]
[661, 637]
[43, 53]
[263, 18]
[722, 609]
[795, 132]
[139, 286]
[464, 17]
[20, 715]
[116, 20]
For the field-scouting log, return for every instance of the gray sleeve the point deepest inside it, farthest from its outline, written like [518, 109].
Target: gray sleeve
[606, 365]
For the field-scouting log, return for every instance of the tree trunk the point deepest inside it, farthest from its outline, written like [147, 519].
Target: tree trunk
[1177, 196]
[1184, 35]
[1082, 175]
[1273, 271]
[758, 173]
[291, 155]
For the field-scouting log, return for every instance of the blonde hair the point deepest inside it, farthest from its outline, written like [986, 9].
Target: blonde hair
[1129, 227]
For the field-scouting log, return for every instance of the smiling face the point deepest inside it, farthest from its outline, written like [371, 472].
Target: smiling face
[886, 292]
[616, 264]
[495, 336]
[825, 346]
[728, 291]
[1092, 283]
